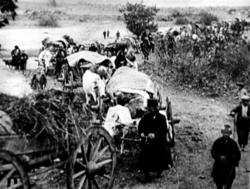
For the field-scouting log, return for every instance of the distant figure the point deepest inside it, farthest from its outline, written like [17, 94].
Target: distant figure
[107, 33]
[242, 112]
[104, 34]
[16, 54]
[39, 81]
[242, 90]
[147, 44]
[226, 154]
[60, 60]
[23, 61]
[93, 48]
[117, 35]
[121, 59]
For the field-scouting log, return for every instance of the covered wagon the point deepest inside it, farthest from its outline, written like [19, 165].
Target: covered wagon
[136, 86]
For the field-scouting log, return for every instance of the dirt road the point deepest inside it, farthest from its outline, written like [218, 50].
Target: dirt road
[201, 121]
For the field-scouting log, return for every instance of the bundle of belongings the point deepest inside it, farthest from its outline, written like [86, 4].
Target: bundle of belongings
[52, 115]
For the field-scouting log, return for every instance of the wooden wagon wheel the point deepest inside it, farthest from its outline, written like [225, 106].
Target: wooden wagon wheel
[93, 162]
[12, 173]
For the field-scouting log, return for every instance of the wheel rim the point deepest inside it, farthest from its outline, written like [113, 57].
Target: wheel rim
[12, 174]
[94, 161]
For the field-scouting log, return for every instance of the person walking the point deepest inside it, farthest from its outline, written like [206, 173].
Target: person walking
[242, 90]
[107, 33]
[155, 155]
[226, 154]
[104, 34]
[16, 54]
[118, 35]
[242, 111]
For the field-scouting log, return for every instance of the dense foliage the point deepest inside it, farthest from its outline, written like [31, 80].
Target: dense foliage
[207, 18]
[51, 115]
[208, 59]
[138, 17]
[7, 8]
[48, 20]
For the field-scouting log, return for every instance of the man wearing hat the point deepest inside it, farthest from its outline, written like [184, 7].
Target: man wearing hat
[226, 154]
[155, 155]
[242, 90]
[242, 112]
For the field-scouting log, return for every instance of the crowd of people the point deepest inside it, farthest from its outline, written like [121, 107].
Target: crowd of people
[201, 40]
[18, 59]
[155, 154]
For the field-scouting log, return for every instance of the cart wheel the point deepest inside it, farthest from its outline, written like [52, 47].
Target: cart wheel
[94, 161]
[12, 173]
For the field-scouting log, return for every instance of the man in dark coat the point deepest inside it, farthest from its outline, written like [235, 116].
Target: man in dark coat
[121, 59]
[226, 154]
[242, 112]
[155, 155]
[16, 53]
[60, 60]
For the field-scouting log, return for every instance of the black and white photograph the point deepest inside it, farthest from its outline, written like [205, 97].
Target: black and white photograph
[124, 94]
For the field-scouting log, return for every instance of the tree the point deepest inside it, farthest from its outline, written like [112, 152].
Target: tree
[138, 18]
[7, 7]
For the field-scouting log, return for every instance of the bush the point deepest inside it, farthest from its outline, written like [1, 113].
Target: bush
[181, 21]
[48, 20]
[139, 17]
[207, 18]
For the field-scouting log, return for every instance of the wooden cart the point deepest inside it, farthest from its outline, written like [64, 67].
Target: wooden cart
[89, 163]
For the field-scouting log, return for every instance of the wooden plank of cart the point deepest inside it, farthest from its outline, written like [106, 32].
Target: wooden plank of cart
[89, 163]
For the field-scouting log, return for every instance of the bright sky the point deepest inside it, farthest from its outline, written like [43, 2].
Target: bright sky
[191, 3]
[169, 3]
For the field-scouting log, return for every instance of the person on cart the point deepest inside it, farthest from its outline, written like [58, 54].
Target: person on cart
[155, 155]
[226, 154]
[242, 111]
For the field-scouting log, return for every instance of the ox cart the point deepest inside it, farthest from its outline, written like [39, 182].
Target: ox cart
[135, 88]
[89, 161]
[71, 74]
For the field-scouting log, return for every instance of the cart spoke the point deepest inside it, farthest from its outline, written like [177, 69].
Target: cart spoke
[7, 176]
[102, 163]
[89, 149]
[97, 147]
[85, 186]
[96, 184]
[79, 174]
[100, 154]
[84, 154]
[80, 163]
[105, 176]
[89, 184]
[83, 180]
[15, 186]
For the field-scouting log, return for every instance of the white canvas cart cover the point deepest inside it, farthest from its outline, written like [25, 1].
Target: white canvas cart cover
[129, 78]
[88, 56]
[57, 41]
